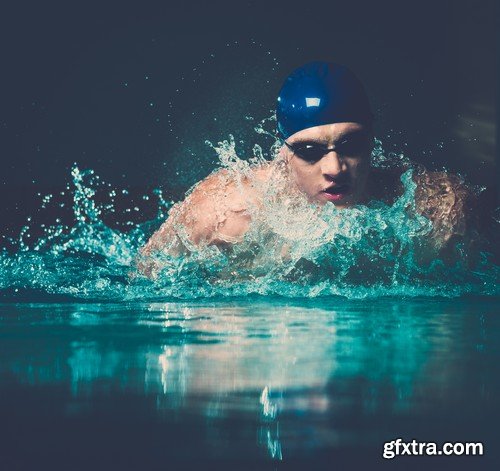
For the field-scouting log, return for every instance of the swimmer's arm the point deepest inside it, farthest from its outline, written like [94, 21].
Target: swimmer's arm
[451, 207]
[213, 214]
[163, 241]
[185, 229]
[206, 217]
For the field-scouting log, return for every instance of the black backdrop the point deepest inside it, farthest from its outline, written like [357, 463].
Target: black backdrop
[133, 90]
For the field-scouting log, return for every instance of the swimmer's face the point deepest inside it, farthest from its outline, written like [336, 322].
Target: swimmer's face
[338, 176]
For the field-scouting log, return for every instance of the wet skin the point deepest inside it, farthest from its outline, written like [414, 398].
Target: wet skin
[216, 211]
[340, 175]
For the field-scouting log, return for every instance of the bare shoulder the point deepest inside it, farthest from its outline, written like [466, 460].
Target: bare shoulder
[447, 201]
[442, 194]
[215, 211]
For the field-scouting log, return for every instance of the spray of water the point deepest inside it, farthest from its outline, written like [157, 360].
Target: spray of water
[292, 248]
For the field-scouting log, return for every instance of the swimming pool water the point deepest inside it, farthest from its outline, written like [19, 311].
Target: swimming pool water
[246, 383]
[242, 360]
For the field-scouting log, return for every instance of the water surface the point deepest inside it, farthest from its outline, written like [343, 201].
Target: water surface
[254, 383]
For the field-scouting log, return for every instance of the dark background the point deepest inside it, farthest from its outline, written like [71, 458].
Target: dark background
[133, 90]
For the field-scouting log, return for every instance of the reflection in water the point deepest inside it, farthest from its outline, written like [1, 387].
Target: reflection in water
[232, 349]
[269, 438]
[302, 375]
[268, 434]
[269, 409]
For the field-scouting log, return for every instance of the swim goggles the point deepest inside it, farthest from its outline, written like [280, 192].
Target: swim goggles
[313, 152]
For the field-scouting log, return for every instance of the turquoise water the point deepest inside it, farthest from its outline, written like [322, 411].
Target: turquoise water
[242, 359]
[360, 252]
[246, 383]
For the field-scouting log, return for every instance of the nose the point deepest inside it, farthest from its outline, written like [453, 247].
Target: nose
[332, 165]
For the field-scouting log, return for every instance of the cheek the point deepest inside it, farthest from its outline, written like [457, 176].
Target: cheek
[302, 175]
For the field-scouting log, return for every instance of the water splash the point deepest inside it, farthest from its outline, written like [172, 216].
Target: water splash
[291, 249]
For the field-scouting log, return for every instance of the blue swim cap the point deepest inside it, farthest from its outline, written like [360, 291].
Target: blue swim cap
[321, 93]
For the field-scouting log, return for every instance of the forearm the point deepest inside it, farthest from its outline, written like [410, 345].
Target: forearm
[164, 243]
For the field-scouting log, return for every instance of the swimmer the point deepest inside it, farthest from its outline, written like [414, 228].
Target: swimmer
[326, 126]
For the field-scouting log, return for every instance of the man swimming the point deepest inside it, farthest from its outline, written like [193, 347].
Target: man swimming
[326, 127]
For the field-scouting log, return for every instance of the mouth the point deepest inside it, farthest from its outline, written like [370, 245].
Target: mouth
[336, 192]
